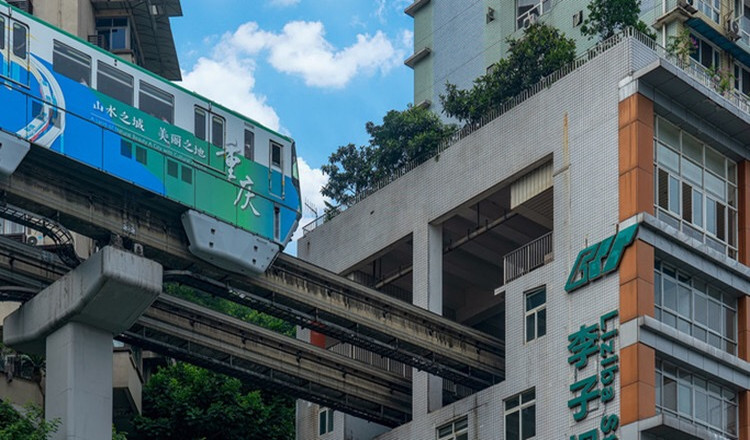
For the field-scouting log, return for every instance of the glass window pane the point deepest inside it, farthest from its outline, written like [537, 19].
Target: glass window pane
[670, 294]
[528, 396]
[668, 158]
[530, 327]
[114, 83]
[669, 134]
[512, 426]
[200, 124]
[714, 316]
[669, 394]
[697, 208]
[275, 154]
[541, 321]
[674, 195]
[714, 411]
[528, 422]
[692, 148]
[701, 406]
[692, 172]
[684, 301]
[156, 102]
[19, 40]
[511, 403]
[249, 145]
[535, 299]
[217, 131]
[685, 400]
[729, 318]
[715, 162]
[716, 186]
[72, 63]
[2, 33]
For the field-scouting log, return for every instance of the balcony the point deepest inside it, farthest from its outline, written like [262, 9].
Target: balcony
[528, 257]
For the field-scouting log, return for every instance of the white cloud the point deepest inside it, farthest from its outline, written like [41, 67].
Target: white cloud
[284, 3]
[301, 49]
[380, 10]
[231, 82]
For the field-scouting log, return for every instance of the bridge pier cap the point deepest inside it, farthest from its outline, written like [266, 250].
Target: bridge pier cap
[108, 292]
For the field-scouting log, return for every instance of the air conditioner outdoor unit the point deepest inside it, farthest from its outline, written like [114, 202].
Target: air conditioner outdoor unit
[33, 237]
[733, 29]
[688, 5]
[530, 19]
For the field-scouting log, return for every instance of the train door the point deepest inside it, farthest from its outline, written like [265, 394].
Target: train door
[276, 169]
[4, 45]
[18, 52]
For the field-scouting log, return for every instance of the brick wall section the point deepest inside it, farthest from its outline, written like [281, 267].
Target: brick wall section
[636, 158]
[636, 194]
[637, 383]
[743, 304]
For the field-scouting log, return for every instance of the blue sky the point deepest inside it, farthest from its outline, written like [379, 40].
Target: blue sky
[317, 70]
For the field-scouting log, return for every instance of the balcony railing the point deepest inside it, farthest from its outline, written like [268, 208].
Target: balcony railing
[370, 358]
[527, 258]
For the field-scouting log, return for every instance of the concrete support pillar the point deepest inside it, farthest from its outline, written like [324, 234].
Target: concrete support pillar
[72, 322]
[427, 390]
[79, 382]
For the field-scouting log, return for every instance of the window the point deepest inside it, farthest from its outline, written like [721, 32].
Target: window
[696, 399]
[114, 83]
[201, 119]
[172, 168]
[19, 40]
[520, 416]
[217, 131]
[742, 79]
[456, 430]
[126, 149]
[187, 174]
[249, 144]
[276, 223]
[704, 52]
[536, 314]
[72, 63]
[711, 8]
[2, 33]
[114, 33]
[155, 102]
[325, 421]
[696, 188]
[696, 307]
[527, 11]
[276, 154]
[141, 155]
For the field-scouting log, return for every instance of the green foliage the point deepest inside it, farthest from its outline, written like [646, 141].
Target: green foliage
[404, 136]
[117, 435]
[607, 17]
[187, 402]
[29, 425]
[682, 45]
[541, 51]
[232, 309]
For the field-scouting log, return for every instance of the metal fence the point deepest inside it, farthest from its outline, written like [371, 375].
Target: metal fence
[370, 358]
[527, 258]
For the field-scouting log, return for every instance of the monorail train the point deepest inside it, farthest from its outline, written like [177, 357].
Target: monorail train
[237, 179]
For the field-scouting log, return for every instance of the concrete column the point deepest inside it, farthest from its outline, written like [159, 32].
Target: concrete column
[72, 322]
[427, 390]
[79, 382]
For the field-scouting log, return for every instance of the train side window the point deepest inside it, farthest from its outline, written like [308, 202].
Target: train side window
[126, 149]
[141, 155]
[172, 168]
[249, 144]
[201, 120]
[155, 102]
[276, 154]
[187, 174]
[19, 40]
[217, 131]
[114, 83]
[72, 63]
[2, 33]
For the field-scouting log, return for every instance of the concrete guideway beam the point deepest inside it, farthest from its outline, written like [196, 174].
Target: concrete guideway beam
[288, 356]
[109, 291]
[72, 322]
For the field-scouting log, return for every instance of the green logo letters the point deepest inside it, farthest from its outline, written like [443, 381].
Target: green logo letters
[600, 259]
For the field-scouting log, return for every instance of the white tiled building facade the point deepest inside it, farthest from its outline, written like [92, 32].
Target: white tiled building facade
[630, 137]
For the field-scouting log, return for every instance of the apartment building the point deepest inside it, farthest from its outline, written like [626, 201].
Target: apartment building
[598, 225]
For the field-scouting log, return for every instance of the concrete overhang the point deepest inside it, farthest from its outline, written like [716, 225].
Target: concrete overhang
[701, 105]
[414, 7]
[109, 291]
[710, 32]
[418, 56]
[153, 32]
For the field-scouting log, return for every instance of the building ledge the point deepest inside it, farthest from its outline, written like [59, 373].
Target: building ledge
[671, 427]
[425, 104]
[418, 56]
[414, 7]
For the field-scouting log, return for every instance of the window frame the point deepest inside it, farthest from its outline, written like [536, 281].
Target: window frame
[534, 314]
[459, 429]
[325, 421]
[71, 54]
[24, 50]
[106, 31]
[519, 406]
[223, 124]
[249, 150]
[152, 92]
[271, 162]
[111, 73]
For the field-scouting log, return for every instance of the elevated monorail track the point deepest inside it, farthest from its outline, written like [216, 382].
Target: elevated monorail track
[99, 206]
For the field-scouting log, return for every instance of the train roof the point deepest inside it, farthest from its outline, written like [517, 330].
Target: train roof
[143, 70]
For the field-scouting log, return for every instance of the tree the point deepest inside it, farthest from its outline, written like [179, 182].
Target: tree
[404, 136]
[188, 402]
[607, 17]
[541, 51]
[29, 424]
